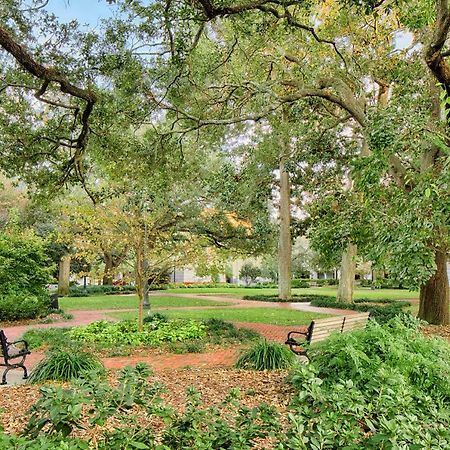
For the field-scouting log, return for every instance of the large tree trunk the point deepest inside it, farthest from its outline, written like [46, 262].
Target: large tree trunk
[109, 267]
[434, 294]
[347, 276]
[285, 240]
[64, 275]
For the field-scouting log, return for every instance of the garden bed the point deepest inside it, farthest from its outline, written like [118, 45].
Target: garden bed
[214, 385]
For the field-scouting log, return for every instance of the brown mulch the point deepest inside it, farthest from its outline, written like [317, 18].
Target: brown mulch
[51, 318]
[437, 330]
[213, 383]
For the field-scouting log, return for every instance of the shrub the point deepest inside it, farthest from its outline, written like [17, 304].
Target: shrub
[156, 317]
[219, 331]
[299, 283]
[266, 355]
[382, 310]
[80, 291]
[24, 272]
[23, 305]
[294, 298]
[64, 365]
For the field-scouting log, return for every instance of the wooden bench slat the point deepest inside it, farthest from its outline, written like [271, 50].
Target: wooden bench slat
[328, 324]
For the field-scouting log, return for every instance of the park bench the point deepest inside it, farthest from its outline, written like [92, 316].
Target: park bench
[11, 353]
[319, 330]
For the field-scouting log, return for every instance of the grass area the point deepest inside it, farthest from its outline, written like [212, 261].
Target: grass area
[326, 290]
[274, 316]
[129, 302]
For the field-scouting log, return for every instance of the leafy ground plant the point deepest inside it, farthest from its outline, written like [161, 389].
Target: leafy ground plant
[64, 365]
[126, 332]
[265, 355]
[385, 387]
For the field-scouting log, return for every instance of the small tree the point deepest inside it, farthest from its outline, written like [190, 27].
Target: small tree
[249, 273]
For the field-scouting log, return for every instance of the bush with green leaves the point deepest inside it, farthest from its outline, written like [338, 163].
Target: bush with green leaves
[21, 305]
[126, 332]
[219, 332]
[24, 273]
[81, 291]
[382, 310]
[265, 355]
[276, 299]
[384, 387]
[64, 365]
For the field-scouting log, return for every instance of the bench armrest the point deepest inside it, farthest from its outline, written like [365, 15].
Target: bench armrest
[289, 336]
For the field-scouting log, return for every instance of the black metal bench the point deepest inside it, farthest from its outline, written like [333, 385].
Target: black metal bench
[319, 330]
[10, 352]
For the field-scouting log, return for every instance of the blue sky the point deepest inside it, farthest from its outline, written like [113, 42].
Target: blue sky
[85, 11]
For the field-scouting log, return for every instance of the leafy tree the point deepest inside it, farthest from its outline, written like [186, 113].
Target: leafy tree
[249, 273]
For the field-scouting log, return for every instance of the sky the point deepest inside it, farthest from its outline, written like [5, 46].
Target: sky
[85, 11]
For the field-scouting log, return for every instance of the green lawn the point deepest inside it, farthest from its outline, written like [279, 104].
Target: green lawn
[275, 316]
[129, 302]
[331, 291]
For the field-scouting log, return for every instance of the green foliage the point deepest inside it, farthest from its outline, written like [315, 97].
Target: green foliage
[249, 273]
[64, 365]
[382, 310]
[80, 291]
[126, 332]
[201, 285]
[156, 317]
[266, 355]
[299, 283]
[276, 299]
[24, 267]
[384, 387]
[220, 332]
[22, 305]
[47, 337]
[24, 273]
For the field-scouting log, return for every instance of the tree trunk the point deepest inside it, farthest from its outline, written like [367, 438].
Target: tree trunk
[140, 281]
[347, 278]
[285, 240]
[434, 294]
[109, 267]
[64, 275]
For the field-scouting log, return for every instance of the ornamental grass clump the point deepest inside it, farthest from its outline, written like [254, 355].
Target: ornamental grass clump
[65, 365]
[265, 355]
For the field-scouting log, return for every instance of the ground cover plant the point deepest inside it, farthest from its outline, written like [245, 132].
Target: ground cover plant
[126, 332]
[386, 387]
[121, 338]
[274, 316]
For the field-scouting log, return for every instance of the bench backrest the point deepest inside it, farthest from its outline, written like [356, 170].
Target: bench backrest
[322, 328]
